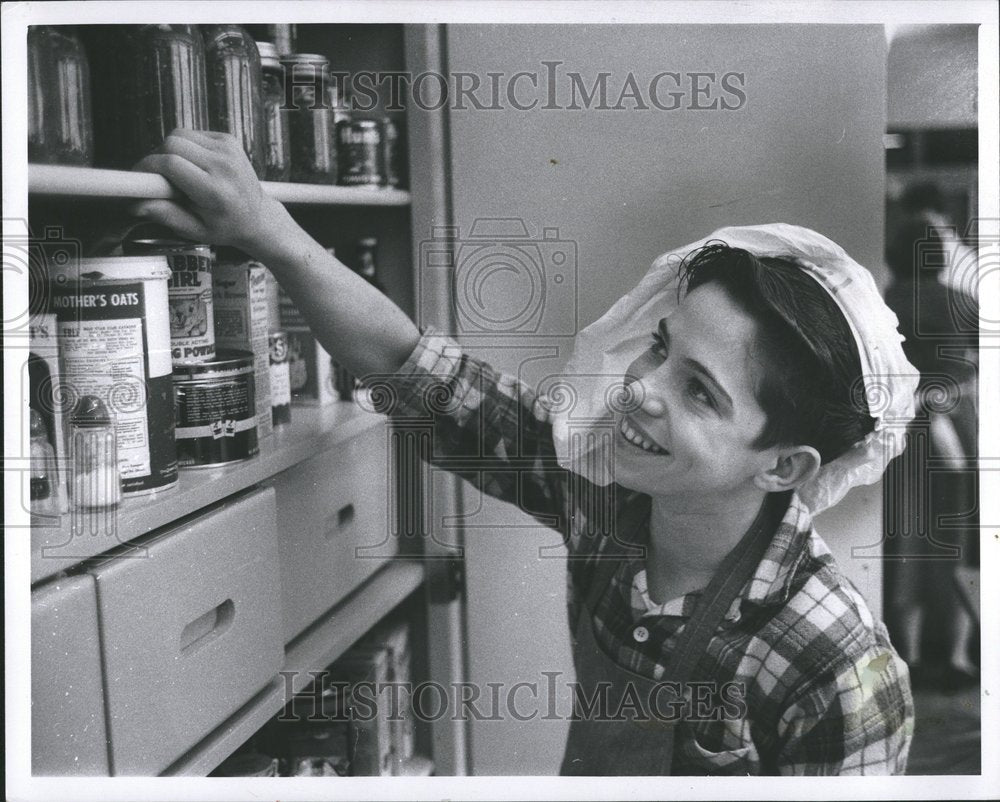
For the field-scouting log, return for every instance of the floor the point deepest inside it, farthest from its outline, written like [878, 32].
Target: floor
[947, 735]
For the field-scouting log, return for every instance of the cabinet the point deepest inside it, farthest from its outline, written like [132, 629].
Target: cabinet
[196, 614]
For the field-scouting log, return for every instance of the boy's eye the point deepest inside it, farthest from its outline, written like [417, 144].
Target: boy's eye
[700, 393]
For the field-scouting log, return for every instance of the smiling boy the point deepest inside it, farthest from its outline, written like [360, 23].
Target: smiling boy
[692, 556]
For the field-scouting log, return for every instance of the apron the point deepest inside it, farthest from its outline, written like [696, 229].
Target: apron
[600, 744]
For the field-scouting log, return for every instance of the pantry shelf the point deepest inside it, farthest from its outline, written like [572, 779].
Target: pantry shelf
[316, 648]
[57, 180]
[54, 547]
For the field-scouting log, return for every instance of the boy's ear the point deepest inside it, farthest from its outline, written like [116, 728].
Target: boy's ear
[793, 466]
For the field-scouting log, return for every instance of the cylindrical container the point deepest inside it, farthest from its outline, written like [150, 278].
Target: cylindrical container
[235, 96]
[149, 80]
[360, 155]
[192, 321]
[283, 37]
[60, 125]
[94, 479]
[281, 380]
[216, 416]
[392, 157]
[113, 325]
[310, 121]
[278, 153]
[43, 467]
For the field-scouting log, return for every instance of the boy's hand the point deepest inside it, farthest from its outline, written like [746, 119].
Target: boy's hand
[223, 202]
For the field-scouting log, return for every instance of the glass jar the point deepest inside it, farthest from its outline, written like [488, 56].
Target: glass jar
[310, 121]
[60, 125]
[278, 153]
[233, 80]
[149, 80]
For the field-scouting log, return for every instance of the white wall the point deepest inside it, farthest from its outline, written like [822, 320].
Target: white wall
[624, 186]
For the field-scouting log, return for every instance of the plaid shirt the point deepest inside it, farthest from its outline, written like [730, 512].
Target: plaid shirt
[825, 693]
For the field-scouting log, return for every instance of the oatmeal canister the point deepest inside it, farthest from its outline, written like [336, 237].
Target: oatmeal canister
[215, 410]
[113, 330]
[192, 320]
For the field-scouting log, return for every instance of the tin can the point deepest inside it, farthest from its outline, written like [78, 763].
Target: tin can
[113, 329]
[360, 156]
[281, 381]
[192, 318]
[216, 419]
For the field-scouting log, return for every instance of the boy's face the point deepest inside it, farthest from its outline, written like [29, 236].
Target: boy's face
[698, 410]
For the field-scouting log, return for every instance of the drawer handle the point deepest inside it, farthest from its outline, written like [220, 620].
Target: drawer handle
[341, 519]
[207, 627]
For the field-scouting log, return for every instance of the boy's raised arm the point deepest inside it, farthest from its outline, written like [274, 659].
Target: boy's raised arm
[223, 204]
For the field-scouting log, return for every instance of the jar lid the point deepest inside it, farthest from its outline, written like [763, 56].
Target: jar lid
[268, 54]
[227, 361]
[306, 58]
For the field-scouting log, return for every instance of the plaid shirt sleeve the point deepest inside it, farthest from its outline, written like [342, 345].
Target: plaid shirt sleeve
[487, 427]
[856, 719]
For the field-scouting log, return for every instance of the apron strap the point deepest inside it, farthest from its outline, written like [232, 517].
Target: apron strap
[735, 571]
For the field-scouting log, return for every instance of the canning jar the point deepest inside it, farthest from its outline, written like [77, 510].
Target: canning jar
[233, 80]
[60, 125]
[149, 80]
[277, 154]
[310, 120]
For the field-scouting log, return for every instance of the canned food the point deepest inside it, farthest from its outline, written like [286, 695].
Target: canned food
[216, 419]
[281, 382]
[192, 320]
[113, 330]
[360, 157]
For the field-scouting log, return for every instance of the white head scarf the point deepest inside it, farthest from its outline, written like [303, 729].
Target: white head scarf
[591, 389]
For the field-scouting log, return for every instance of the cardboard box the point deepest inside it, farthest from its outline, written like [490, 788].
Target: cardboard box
[396, 638]
[367, 669]
[239, 290]
[311, 370]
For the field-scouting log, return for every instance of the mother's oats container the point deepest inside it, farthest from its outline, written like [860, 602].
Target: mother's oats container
[113, 330]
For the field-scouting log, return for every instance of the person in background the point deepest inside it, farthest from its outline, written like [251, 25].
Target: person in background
[734, 416]
[938, 322]
[925, 202]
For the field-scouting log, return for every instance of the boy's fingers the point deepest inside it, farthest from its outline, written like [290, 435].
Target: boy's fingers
[173, 216]
[208, 139]
[194, 152]
[187, 177]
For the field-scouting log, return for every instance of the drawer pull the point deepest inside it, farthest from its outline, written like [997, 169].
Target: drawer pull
[207, 627]
[339, 521]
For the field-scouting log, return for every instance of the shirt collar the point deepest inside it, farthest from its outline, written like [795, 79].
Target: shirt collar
[772, 580]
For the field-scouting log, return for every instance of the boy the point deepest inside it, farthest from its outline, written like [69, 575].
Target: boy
[709, 620]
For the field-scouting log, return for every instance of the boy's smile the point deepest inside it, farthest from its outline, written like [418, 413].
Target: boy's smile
[696, 415]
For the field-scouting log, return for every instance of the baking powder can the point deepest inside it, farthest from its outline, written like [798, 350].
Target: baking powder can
[113, 330]
[215, 410]
[192, 321]
[281, 380]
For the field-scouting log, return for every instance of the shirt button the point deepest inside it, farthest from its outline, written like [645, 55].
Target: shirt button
[641, 634]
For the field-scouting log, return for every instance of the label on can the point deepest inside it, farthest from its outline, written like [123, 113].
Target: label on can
[192, 319]
[113, 338]
[360, 156]
[216, 416]
[281, 382]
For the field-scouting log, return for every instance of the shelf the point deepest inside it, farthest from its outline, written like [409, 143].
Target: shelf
[315, 649]
[313, 429]
[87, 182]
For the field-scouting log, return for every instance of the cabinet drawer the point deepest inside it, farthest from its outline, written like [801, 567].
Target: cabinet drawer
[332, 525]
[67, 700]
[191, 630]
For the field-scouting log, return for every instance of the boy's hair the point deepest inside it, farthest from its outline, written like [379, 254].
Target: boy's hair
[810, 388]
